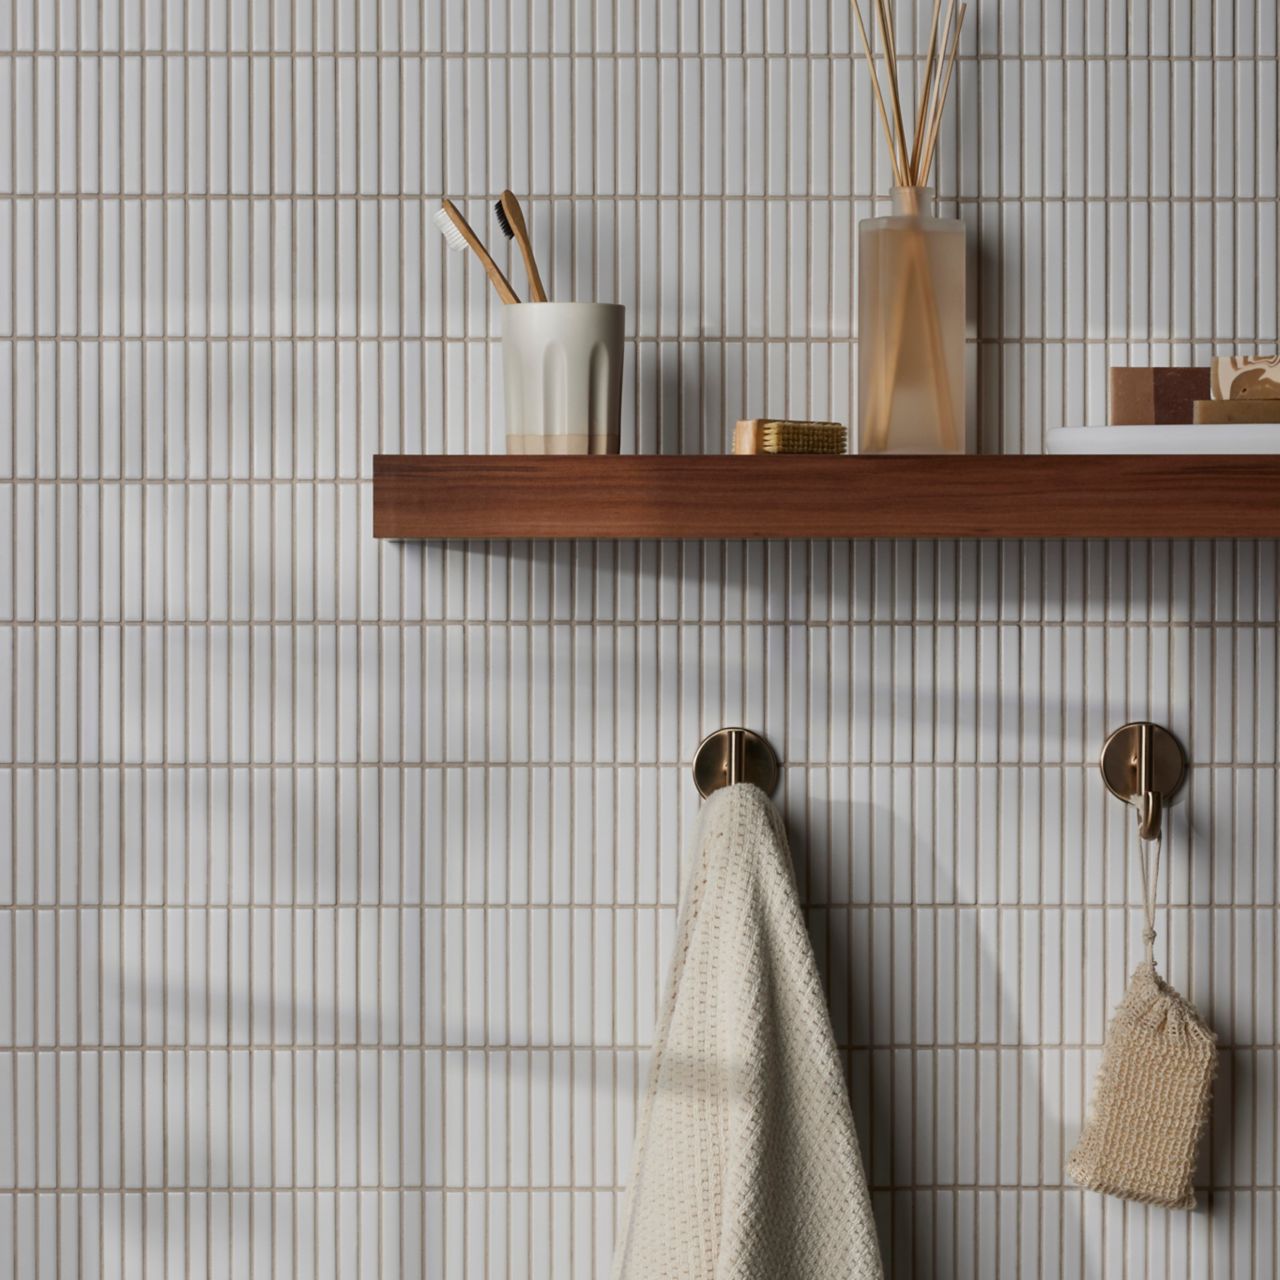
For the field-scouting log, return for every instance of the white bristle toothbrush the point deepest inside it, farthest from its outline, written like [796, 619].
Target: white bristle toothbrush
[459, 237]
[511, 220]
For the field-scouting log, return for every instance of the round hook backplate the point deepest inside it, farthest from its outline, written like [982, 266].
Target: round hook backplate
[712, 763]
[1122, 762]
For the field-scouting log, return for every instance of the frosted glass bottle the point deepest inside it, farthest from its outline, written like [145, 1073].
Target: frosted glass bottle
[911, 329]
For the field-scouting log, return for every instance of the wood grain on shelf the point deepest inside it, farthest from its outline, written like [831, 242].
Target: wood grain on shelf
[470, 496]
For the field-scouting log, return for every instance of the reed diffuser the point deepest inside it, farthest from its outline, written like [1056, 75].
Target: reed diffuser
[911, 292]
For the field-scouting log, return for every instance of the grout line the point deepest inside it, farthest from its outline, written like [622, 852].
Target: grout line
[437, 623]
[650, 196]
[489, 55]
[540, 904]
[320, 1189]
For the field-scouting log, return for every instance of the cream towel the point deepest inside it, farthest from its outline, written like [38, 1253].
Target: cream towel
[746, 1163]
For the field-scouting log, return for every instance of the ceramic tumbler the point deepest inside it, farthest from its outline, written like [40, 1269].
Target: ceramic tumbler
[563, 367]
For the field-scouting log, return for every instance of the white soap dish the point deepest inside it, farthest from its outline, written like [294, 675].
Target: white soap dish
[1252, 438]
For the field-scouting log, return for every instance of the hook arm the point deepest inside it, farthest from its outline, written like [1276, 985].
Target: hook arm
[1149, 806]
[1150, 811]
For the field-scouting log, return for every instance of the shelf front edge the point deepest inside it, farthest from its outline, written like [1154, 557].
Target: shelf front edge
[712, 497]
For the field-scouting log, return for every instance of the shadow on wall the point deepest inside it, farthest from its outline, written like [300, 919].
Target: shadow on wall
[926, 1132]
[1044, 582]
[926, 1209]
[909, 1149]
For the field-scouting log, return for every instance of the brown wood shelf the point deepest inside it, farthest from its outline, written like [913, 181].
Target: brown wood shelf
[685, 496]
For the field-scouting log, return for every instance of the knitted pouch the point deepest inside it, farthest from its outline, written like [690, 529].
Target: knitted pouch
[1151, 1098]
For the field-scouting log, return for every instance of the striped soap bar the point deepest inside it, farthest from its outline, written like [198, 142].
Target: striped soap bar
[1246, 378]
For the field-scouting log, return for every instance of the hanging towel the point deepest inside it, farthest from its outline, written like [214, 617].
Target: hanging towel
[746, 1163]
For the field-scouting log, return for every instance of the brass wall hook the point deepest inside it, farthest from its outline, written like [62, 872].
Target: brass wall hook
[729, 756]
[1144, 765]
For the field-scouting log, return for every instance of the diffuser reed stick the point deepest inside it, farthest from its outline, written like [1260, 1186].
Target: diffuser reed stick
[875, 85]
[891, 64]
[912, 159]
[931, 144]
[926, 92]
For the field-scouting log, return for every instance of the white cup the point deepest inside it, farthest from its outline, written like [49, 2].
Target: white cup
[563, 367]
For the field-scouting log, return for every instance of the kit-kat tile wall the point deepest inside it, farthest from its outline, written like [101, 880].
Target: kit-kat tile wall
[337, 879]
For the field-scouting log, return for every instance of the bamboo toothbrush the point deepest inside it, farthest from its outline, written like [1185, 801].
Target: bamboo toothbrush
[459, 237]
[511, 220]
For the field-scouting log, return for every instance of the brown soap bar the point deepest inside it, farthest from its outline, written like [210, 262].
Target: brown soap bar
[1224, 412]
[1144, 396]
[1246, 377]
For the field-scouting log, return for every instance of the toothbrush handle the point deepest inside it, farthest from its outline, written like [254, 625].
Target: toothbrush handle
[500, 282]
[515, 216]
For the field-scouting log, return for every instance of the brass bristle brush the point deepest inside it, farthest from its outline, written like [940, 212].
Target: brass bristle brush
[783, 435]
[511, 221]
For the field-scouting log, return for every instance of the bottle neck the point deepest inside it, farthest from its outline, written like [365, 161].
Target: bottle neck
[912, 202]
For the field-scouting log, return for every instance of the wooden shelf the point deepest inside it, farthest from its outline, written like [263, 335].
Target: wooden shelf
[468, 496]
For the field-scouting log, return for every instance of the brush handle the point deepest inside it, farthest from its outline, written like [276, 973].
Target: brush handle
[515, 217]
[500, 282]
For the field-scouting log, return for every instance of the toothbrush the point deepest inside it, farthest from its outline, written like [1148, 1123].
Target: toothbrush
[511, 220]
[459, 237]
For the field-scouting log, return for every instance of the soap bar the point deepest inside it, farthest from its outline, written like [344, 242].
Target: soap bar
[1246, 378]
[1160, 395]
[1225, 412]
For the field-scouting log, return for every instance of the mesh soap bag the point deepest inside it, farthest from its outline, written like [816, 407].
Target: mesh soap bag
[1151, 1097]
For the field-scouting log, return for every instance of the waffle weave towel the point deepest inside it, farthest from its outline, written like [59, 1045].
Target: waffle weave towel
[746, 1163]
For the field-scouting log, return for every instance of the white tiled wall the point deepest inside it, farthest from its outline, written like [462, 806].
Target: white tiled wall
[336, 878]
